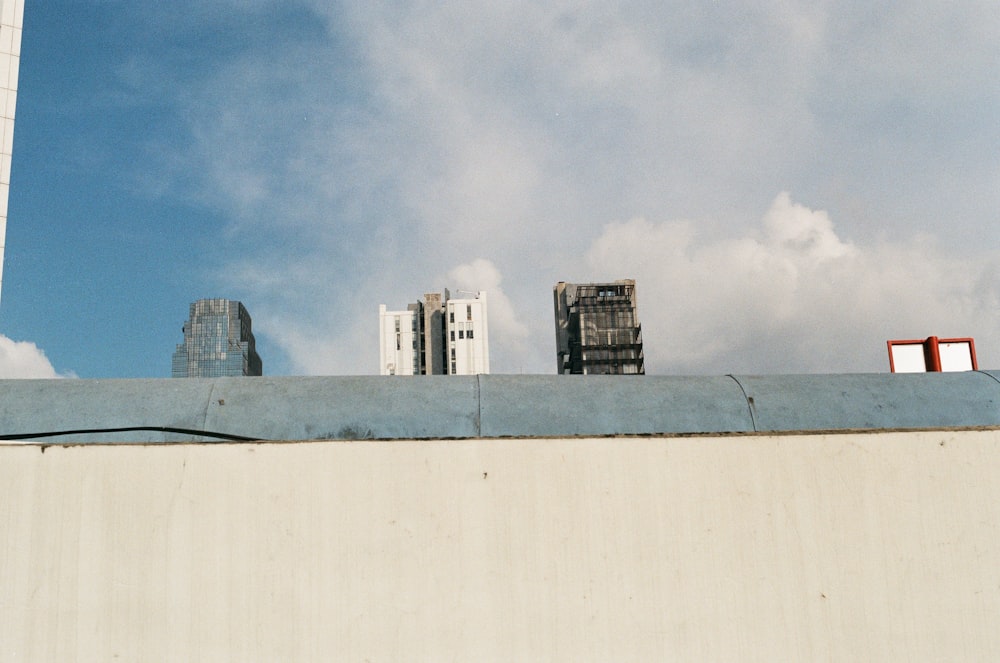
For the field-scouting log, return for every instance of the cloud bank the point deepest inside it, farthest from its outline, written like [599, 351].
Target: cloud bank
[792, 296]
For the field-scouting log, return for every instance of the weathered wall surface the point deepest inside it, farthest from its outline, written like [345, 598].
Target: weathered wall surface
[488, 406]
[846, 547]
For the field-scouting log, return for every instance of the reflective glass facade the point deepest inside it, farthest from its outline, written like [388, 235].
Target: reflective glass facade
[217, 342]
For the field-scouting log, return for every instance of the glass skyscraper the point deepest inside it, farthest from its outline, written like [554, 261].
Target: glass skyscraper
[217, 342]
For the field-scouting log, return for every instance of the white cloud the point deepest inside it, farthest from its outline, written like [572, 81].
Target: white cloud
[508, 334]
[793, 296]
[24, 359]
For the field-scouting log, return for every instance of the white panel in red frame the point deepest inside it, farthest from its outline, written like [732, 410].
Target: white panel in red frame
[932, 354]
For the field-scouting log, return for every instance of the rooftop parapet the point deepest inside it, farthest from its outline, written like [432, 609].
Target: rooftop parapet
[487, 406]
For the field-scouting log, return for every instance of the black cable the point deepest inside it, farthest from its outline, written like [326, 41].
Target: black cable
[126, 429]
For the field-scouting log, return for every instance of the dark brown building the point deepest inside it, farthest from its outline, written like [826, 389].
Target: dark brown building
[597, 328]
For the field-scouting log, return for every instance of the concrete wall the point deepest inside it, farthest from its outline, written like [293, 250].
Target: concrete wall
[843, 547]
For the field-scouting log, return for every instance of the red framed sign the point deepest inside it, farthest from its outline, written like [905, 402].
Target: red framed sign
[932, 354]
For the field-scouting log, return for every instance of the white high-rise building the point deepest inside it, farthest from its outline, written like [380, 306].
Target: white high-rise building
[11, 15]
[467, 335]
[438, 336]
[399, 351]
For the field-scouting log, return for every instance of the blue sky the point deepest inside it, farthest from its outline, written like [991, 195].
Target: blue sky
[791, 184]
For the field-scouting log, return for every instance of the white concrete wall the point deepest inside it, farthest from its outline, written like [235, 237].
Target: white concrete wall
[849, 547]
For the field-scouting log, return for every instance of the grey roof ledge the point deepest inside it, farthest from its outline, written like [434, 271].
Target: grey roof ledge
[487, 406]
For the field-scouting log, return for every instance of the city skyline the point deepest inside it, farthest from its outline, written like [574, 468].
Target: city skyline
[791, 185]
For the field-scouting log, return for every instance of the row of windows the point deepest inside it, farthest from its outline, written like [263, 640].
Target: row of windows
[612, 319]
[609, 337]
[399, 339]
[612, 369]
[413, 323]
[451, 312]
[604, 291]
[618, 354]
[233, 365]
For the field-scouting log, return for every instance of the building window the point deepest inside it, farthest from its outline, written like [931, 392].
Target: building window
[469, 335]
[468, 311]
[453, 334]
[461, 334]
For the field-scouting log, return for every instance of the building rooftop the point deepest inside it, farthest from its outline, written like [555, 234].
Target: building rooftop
[488, 406]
